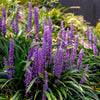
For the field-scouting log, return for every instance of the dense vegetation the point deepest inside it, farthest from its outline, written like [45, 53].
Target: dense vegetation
[43, 57]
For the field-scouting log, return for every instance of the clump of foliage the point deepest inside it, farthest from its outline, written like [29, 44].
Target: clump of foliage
[40, 62]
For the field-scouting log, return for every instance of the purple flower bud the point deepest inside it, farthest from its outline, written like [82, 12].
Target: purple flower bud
[79, 62]
[83, 79]
[11, 57]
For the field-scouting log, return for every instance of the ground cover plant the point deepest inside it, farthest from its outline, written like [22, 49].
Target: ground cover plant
[39, 62]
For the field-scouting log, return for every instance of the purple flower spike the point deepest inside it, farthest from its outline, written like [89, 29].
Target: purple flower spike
[82, 42]
[13, 27]
[83, 79]
[91, 38]
[64, 38]
[45, 21]
[28, 75]
[79, 62]
[49, 46]
[44, 53]
[36, 20]
[50, 24]
[68, 33]
[40, 63]
[68, 37]
[87, 34]
[60, 34]
[95, 50]
[6, 64]
[11, 57]
[60, 62]
[44, 45]
[65, 59]
[30, 17]
[28, 78]
[3, 21]
[31, 51]
[71, 31]
[45, 85]
[16, 21]
[0, 25]
[55, 63]
[7, 69]
[95, 39]
[61, 27]
[73, 56]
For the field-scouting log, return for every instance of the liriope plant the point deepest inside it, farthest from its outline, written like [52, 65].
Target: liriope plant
[39, 68]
